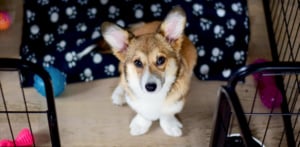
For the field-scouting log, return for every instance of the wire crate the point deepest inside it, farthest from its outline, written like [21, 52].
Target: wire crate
[241, 112]
[19, 108]
[241, 119]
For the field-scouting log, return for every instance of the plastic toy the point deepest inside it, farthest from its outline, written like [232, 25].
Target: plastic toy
[58, 82]
[24, 138]
[270, 95]
[5, 21]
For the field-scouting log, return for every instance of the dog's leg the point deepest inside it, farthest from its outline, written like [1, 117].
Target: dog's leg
[139, 125]
[118, 96]
[171, 125]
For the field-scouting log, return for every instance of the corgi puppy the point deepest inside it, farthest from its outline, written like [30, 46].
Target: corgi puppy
[156, 66]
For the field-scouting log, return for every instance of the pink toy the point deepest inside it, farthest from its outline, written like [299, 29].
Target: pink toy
[270, 95]
[5, 21]
[24, 139]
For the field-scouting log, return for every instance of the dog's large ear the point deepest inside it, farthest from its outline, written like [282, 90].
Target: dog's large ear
[116, 37]
[173, 25]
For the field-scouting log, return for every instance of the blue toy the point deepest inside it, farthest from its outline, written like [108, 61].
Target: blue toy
[58, 82]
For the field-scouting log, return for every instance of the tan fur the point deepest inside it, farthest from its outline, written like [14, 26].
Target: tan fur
[187, 60]
[155, 53]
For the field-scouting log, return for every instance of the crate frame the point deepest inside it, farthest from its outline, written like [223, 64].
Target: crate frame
[283, 29]
[11, 64]
[229, 104]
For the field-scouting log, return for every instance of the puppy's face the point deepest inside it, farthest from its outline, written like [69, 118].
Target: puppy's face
[150, 61]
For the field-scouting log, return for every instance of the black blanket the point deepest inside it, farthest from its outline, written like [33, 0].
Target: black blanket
[56, 31]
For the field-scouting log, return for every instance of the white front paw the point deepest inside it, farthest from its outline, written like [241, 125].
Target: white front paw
[139, 125]
[118, 96]
[171, 126]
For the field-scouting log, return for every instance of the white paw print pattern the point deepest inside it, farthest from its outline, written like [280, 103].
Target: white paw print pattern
[231, 23]
[91, 13]
[48, 39]
[204, 71]
[246, 39]
[62, 28]
[187, 24]
[193, 38]
[226, 73]
[205, 24]
[214, 55]
[239, 57]
[25, 49]
[81, 27]
[82, 2]
[43, 2]
[97, 58]
[113, 12]
[201, 51]
[230, 40]
[34, 32]
[138, 11]
[71, 58]
[53, 13]
[219, 31]
[32, 58]
[103, 2]
[96, 34]
[61, 46]
[246, 24]
[48, 60]
[237, 8]
[71, 12]
[120, 22]
[109, 69]
[87, 75]
[217, 54]
[156, 9]
[80, 41]
[197, 9]
[220, 9]
[30, 16]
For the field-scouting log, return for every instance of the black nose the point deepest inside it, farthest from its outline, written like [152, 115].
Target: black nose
[150, 87]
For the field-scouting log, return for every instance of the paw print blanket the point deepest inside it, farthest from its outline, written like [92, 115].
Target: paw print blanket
[56, 32]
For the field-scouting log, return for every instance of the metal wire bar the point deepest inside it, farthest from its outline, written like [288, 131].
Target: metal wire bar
[296, 96]
[252, 106]
[7, 116]
[26, 107]
[271, 114]
[267, 126]
[23, 112]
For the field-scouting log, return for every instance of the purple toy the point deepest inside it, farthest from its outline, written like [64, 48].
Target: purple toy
[270, 95]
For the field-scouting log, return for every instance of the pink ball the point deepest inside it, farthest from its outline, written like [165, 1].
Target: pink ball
[5, 21]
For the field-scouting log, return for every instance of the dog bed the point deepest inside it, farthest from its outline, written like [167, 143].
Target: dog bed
[56, 31]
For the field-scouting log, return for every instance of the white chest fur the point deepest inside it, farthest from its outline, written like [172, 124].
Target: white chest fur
[150, 106]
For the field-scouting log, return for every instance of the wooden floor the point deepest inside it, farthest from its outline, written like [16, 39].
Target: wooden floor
[87, 117]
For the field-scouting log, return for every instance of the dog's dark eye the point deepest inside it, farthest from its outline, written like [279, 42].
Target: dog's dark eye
[138, 63]
[160, 60]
